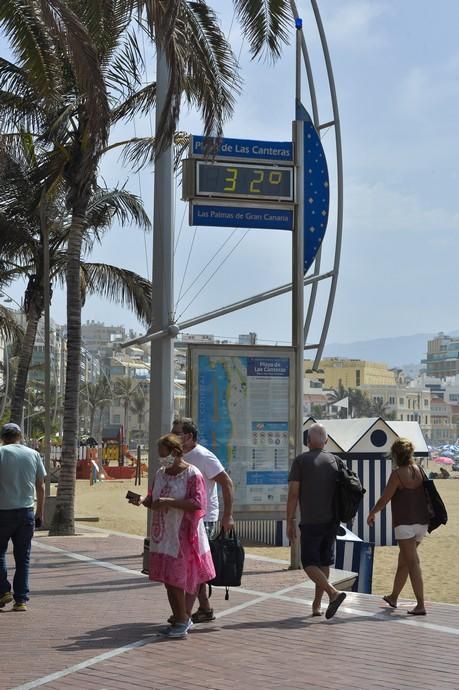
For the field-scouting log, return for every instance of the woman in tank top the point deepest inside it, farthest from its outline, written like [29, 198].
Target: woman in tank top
[410, 518]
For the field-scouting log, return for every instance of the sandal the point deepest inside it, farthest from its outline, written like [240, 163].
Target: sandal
[334, 605]
[389, 601]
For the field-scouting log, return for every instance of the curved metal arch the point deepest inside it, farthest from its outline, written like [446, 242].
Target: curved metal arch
[339, 175]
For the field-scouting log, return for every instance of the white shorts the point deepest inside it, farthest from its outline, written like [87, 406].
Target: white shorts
[409, 531]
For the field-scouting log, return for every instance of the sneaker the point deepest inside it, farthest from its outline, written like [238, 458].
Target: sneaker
[5, 599]
[202, 616]
[178, 631]
[19, 606]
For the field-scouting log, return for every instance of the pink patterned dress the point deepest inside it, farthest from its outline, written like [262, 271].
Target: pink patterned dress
[179, 549]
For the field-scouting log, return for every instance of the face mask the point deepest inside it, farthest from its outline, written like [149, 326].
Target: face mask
[166, 462]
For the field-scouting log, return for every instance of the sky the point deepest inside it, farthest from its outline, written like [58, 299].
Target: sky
[396, 67]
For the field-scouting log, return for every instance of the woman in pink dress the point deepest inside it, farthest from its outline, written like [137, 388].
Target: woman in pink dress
[179, 549]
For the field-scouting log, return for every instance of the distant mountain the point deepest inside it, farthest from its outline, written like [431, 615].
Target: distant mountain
[392, 351]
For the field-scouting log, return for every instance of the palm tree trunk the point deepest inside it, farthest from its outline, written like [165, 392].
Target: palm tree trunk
[99, 426]
[92, 415]
[17, 402]
[126, 432]
[64, 517]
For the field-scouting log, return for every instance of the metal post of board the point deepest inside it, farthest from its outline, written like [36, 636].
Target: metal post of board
[138, 467]
[162, 350]
[298, 276]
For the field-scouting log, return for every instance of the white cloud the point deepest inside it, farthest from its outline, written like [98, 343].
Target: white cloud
[355, 23]
[379, 209]
[425, 91]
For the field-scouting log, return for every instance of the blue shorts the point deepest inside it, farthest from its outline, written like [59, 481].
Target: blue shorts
[318, 544]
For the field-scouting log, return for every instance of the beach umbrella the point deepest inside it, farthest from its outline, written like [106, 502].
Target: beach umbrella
[444, 461]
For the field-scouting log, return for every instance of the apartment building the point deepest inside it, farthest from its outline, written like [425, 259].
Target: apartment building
[349, 373]
[442, 358]
[444, 430]
[407, 404]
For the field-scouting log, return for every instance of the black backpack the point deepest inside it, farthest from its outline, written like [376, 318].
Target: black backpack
[348, 494]
[435, 507]
[228, 557]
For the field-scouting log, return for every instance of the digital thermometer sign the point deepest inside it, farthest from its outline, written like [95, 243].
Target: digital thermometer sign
[241, 181]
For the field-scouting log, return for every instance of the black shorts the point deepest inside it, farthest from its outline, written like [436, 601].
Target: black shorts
[318, 544]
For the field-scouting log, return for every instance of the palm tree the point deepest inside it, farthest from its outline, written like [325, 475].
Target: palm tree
[124, 389]
[138, 405]
[97, 396]
[359, 403]
[10, 330]
[379, 409]
[21, 244]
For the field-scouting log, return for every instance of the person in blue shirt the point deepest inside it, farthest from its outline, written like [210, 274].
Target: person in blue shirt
[22, 476]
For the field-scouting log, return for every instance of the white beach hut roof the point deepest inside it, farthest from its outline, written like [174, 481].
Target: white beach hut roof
[368, 435]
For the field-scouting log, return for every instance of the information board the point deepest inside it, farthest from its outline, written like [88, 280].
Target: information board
[242, 403]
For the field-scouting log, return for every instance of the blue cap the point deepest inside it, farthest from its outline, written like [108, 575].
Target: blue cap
[10, 428]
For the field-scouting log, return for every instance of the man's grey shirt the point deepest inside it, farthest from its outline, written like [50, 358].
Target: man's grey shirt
[317, 473]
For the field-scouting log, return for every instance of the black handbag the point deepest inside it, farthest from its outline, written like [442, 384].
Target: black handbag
[436, 508]
[228, 557]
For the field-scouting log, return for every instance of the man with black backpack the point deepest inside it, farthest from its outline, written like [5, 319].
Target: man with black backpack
[312, 482]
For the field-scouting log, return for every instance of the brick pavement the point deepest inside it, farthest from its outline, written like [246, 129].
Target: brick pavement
[92, 619]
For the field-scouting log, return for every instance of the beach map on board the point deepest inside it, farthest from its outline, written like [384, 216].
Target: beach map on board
[241, 405]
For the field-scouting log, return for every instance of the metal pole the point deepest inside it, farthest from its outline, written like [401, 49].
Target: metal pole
[339, 178]
[298, 275]
[162, 350]
[242, 304]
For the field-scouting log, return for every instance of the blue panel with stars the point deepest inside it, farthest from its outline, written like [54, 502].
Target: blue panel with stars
[316, 189]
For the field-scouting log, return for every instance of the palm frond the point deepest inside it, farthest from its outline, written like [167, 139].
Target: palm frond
[108, 204]
[10, 330]
[201, 64]
[119, 285]
[31, 44]
[209, 67]
[265, 24]
[142, 102]
[19, 101]
[73, 41]
[140, 151]
[125, 69]
[18, 112]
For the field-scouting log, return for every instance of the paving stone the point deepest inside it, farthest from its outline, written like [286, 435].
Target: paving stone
[81, 610]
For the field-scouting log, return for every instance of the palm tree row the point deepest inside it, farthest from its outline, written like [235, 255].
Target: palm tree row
[77, 71]
[21, 245]
[361, 405]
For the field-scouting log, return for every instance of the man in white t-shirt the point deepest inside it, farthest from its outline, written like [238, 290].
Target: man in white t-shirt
[213, 473]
